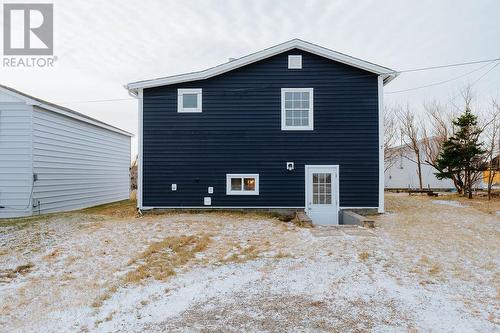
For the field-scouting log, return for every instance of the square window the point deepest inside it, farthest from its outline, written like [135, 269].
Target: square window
[294, 62]
[189, 100]
[242, 184]
[297, 109]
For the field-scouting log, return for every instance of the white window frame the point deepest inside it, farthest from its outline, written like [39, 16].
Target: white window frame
[180, 106]
[284, 126]
[295, 61]
[230, 176]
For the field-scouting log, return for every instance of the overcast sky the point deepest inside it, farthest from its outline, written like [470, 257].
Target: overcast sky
[102, 45]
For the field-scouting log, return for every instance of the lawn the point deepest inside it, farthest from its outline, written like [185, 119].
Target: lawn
[431, 265]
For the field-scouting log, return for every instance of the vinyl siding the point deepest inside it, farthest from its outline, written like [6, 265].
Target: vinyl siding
[239, 131]
[15, 157]
[78, 164]
[402, 173]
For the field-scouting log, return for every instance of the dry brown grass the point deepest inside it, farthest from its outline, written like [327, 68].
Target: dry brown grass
[160, 260]
[13, 273]
[363, 255]
[125, 208]
[240, 254]
[479, 201]
[282, 255]
[435, 269]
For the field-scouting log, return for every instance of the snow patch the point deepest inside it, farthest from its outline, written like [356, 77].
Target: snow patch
[448, 203]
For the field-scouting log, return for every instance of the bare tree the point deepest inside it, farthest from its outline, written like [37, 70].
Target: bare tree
[492, 136]
[411, 132]
[390, 137]
[435, 131]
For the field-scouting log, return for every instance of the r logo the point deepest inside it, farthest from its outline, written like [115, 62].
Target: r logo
[28, 29]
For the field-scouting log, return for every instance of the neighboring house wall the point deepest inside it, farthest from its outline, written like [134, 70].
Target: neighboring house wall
[15, 157]
[486, 176]
[239, 131]
[77, 164]
[403, 173]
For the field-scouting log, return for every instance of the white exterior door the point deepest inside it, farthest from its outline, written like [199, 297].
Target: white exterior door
[322, 193]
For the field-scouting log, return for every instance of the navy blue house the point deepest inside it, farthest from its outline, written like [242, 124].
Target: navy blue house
[293, 126]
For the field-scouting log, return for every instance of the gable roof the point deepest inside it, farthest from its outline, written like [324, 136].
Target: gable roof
[388, 74]
[61, 110]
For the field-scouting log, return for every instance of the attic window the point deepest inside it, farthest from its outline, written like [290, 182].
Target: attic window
[189, 100]
[294, 62]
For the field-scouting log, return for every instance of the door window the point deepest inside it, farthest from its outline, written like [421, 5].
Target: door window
[322, 188]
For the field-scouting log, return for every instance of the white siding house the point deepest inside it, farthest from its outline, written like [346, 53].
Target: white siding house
[402, 172]
[55, 159]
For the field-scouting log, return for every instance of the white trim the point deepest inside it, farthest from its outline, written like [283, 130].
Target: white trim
[219, 207]
[294, 61]
[344, 208]
[60, 110]
[229, 176]
[32, 162]
[284, 126]
[337, 188]
[180, 100]
[335, 183]
[242, 207]
[139, 150]
[388, 73]
[381, 176]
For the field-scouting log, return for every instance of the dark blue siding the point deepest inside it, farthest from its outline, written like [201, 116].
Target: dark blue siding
[239, 131]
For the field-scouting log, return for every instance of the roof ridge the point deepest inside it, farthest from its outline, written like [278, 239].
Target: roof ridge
[388, 73]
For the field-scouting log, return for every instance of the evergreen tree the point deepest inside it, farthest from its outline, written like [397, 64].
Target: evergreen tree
[462, 154]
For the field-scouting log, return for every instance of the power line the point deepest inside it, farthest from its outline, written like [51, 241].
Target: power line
[488, 61]
[489, 70]
[476, 81]
[445, 81]
[444, 66]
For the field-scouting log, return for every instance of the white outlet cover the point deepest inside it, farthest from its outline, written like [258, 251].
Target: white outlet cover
[174, 187]
[210, 190]
[207, 201]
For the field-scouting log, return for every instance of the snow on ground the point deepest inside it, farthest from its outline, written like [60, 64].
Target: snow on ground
[448, 203]
[426, 267]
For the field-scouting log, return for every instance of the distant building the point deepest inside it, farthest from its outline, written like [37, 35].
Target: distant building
[402, 171]
[496, 174]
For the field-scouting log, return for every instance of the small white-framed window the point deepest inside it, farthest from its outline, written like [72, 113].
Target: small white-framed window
[297, 111]
[242, 184]
[294, 62]
[188, 100]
